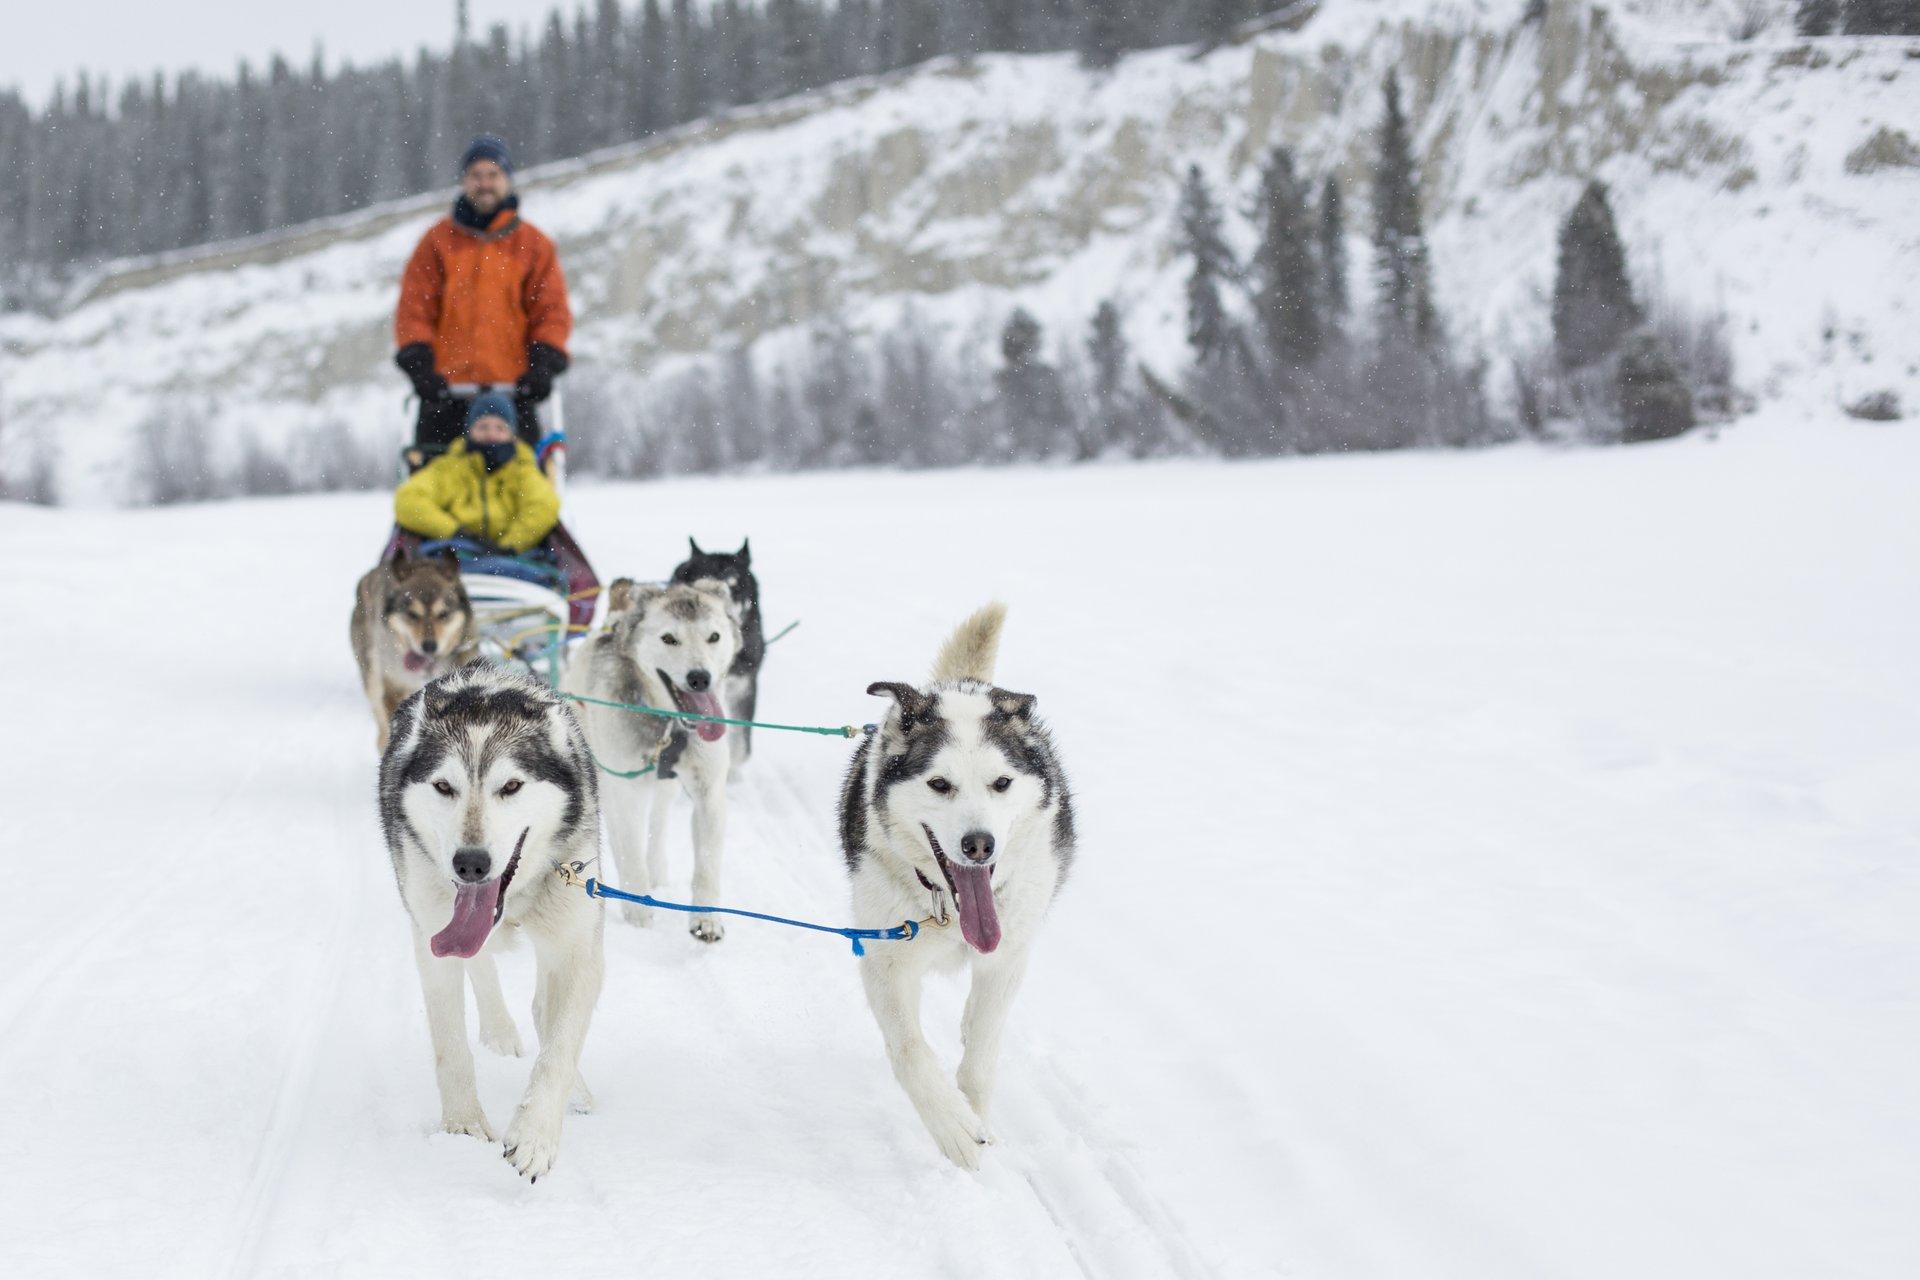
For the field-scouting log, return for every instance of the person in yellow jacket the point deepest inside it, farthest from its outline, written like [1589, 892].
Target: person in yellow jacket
[486, 486]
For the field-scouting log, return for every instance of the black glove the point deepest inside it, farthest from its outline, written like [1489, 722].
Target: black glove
[544, 364]
[416, 361]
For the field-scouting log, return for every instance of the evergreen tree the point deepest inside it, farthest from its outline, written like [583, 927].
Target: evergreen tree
[1218, 18]
[1286, 287]
[1208, 330]
[795, 53]
[1816, 17]
[1403, 284]
[1593, 306]
[691, 83]
[1333, 257]
[1107, 353]
[652, 74]
[1002, 23]
[1881, 18]
[1032, 400]
[1654, 400]
[607, 83]
[736, 57]
[914, 32]
[1104, 31]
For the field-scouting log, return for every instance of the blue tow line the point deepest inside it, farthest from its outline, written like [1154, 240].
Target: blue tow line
[905, 931]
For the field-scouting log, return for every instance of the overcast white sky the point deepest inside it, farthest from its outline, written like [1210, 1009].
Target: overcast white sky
[46, 40]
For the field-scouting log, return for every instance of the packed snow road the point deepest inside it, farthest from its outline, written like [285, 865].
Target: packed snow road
[1493, 865]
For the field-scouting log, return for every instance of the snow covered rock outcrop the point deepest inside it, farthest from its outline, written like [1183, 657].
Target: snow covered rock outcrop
[1774, 179]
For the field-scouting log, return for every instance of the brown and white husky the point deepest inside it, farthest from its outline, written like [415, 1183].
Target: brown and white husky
[412, 621]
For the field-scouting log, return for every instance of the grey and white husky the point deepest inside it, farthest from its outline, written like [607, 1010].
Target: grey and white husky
[956, 805]
[668, 647]
[485, 788]
[411, 621]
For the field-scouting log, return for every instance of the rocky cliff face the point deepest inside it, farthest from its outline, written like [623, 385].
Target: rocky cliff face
[1772, 179]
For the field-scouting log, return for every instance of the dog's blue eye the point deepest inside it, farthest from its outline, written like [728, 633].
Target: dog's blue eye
[512, 786]
[940, 785]
[1001, 784]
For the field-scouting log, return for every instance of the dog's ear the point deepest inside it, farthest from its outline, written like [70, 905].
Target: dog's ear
[745, 553]
[638, 596]
[716, 588]
[447, 558]
[914, 706]
[620, 595]
[1008, 705]
[696, 546]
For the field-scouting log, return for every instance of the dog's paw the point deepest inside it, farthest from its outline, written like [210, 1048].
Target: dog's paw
[580, 1101]
[503, 1039]
[531, 1146]
[979, 1096]
[707, 929]
[962, 1136]
[636, 914]
[471, 1123]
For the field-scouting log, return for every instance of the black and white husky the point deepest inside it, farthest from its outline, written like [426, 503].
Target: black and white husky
[667, 647]
[735, 568]
[959, 806]
[485, 788]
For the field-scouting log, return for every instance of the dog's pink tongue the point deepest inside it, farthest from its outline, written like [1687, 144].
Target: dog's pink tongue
[415, 661]
[707, 705]
[472, 921]
[973, 893]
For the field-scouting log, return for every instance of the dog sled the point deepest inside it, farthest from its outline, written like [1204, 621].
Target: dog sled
[526, 607]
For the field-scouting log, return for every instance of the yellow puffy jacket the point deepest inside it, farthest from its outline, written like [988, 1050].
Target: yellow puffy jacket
[514, 508]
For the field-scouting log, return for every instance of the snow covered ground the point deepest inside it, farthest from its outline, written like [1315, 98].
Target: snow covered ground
[1494, 865]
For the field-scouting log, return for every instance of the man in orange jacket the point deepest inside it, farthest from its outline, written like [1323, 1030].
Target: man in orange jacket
[482, 301]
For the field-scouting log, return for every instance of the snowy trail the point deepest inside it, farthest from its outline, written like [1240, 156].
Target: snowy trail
[1495, 865]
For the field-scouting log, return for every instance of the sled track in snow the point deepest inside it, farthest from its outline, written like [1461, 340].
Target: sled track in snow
[54, 979]
[1108, 1218]
[279, 1143]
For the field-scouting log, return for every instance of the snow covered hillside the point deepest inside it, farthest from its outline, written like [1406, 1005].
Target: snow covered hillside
[1520, 883]
[1774, 179]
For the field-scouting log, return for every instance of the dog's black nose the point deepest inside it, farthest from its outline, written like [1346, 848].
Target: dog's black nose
[977, 845]
[428, 646]
[698, 680]
[472, 865]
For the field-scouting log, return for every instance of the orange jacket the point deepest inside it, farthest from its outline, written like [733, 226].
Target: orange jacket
[479, 299]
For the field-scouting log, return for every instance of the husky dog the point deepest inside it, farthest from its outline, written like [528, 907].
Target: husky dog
[957, 802]
[411, 622]
[735, 568]
[485, 788]
[667, 647]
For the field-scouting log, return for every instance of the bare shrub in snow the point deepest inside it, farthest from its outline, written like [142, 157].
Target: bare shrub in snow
[34, 475]
[1655, 403]
[1750, 18]
[1876, 406]
[173, 450]
[1697, 342]
[330, 457]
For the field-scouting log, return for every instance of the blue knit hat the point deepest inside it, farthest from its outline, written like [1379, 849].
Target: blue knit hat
[487, 146]
[497, 403]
